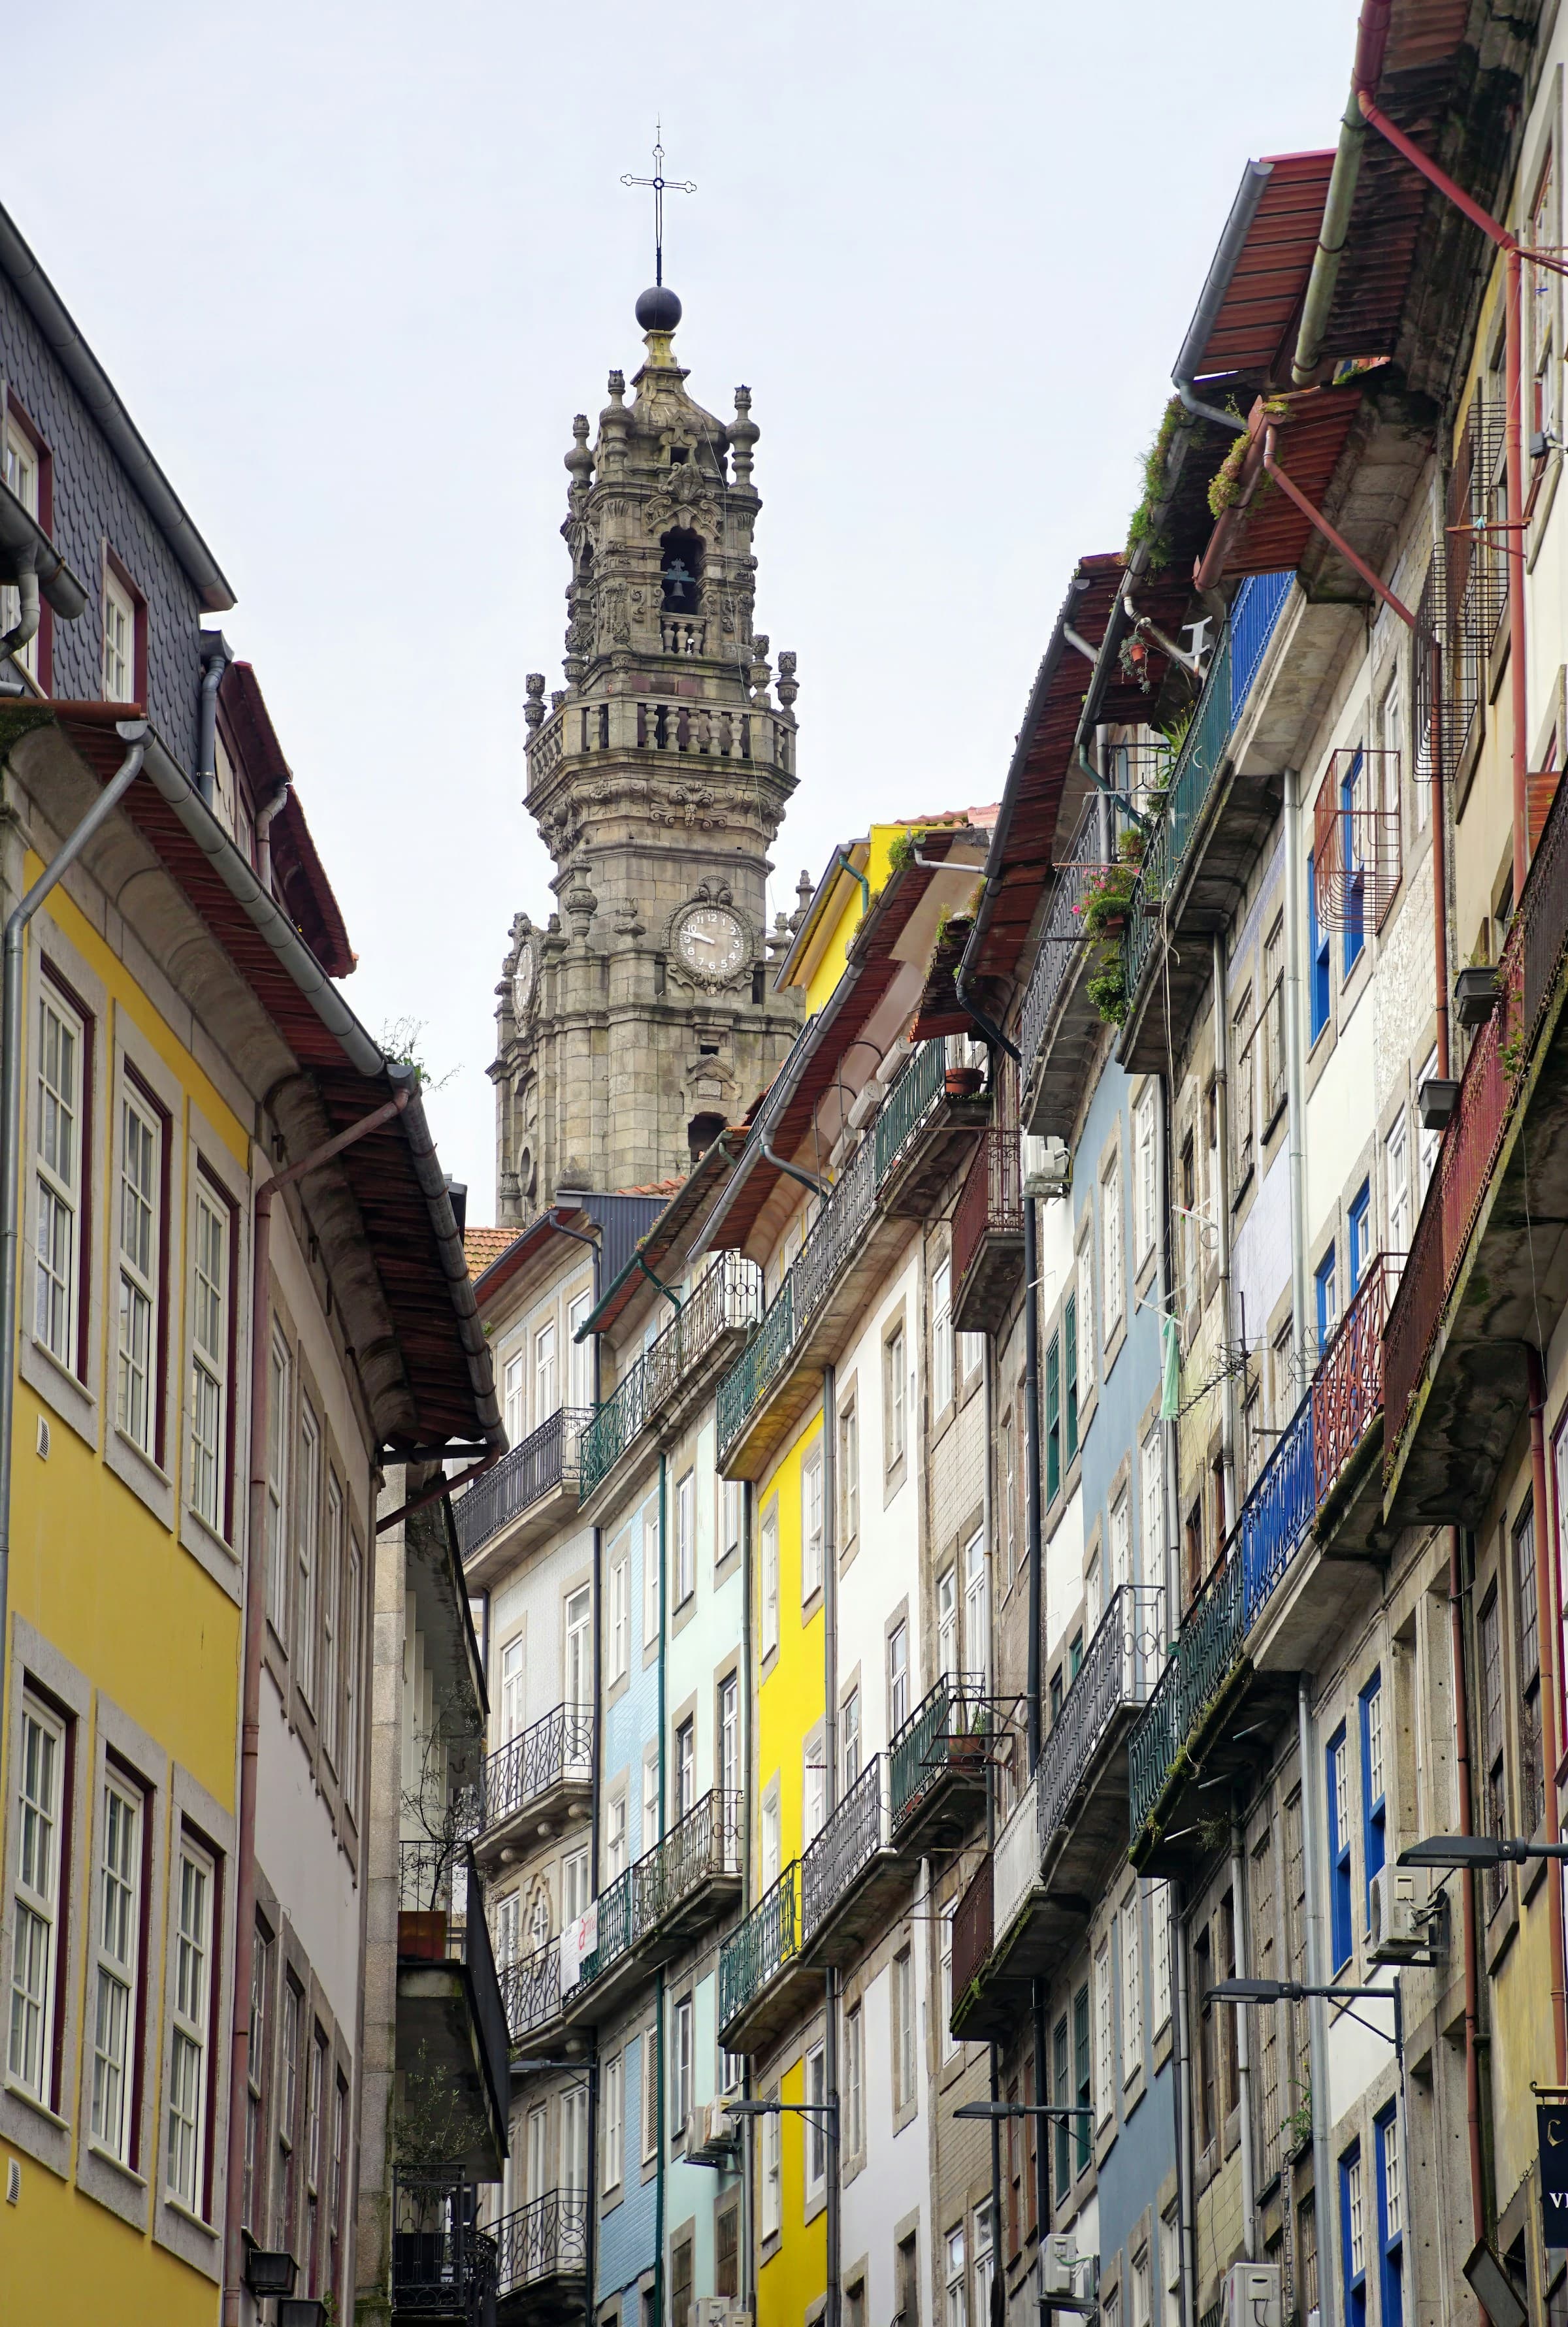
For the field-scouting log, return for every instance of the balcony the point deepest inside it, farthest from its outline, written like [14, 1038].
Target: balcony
[514, 1506]
[910, 1147]
[1205, 842]
[988, 1235]
[541, 2268]
[443, 2266]
[764, 1983]
[937, 1766]
[451, 2039]
[685, 1882]
[534, 1783]
[723, 1305]
[1266, 1612]
[1059, 1027]
[851, 1876]
[1053, 1859]
[530, 1991]
[1486, 1266]
[683, 731]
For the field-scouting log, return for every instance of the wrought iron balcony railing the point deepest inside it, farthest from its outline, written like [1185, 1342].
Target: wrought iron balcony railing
[1015, 1859]
[990, 1200]
[1062, 941]
[1347, 1387]
[973, 1928]
[443, 2266]
[950, 1719]
[530, 1989]
[525, 1473]
[908, 1102]
[705, 1844]
[767, 1939]
[546, 2239]
[1199, 1662]
[856, 1831]
[1233, 667]
[727, 1297]
[555, 1750]
[1120, 1668]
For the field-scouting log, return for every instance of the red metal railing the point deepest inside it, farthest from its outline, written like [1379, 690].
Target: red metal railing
[990, 1200]
[972, 1934]
[1348, 1387]
[1495, 1072]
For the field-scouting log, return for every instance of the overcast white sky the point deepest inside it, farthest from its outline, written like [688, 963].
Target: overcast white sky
[354, 267]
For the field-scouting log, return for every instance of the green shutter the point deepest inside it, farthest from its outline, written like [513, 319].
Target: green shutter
[1069, 1340]
[1052, 1419]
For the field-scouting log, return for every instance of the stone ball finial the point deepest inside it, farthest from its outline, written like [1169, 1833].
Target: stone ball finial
[658, 308]
[533, 708]
[580, 460]
[788, 686]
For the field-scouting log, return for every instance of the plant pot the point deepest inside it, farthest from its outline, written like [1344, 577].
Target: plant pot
[1112, 926]
[1476, 995]
[422, 1934]
[1436, 1101]
[965, 1082]
[966, 1751]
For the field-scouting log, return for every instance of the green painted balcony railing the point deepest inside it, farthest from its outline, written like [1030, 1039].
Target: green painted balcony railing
[951, 1715]
[767, 1939]
[835, 1234]
[729, 1294]
[1205, 1651]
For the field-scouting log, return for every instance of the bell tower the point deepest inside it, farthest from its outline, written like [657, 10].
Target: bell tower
[638, 1019]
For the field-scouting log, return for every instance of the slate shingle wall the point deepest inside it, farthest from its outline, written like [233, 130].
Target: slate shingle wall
[95, 502]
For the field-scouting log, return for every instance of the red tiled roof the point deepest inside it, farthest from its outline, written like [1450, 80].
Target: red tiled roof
[481, 1246]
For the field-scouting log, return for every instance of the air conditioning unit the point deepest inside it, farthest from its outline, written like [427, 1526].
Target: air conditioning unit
[1060, 2264]
[1253, 2296]
[1045, 1165]
[1395, 1914]
[717, 2140]
[719, 2311]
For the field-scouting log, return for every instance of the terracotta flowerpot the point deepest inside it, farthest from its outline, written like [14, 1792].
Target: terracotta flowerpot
[965, 1082]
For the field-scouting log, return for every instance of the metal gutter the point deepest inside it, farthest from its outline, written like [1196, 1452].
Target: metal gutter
[32, 550]
[92, 384]
[1253, 184]
[1365, 72]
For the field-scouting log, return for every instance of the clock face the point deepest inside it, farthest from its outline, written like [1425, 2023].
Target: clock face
[712, 942]
[523, 984]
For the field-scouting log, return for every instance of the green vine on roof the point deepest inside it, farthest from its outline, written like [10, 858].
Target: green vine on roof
[1225, 484]
[1141, 526]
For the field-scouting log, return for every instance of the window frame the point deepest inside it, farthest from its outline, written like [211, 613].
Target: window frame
[47, 1904]
[208, 1195]
[120, 596]
[53, 1187]
[1386, 2140]
[944, 1370]
[812, 1523]
[1320, 968]
[127, 1969]
[1337, 1803]
[1370, 1713]
[189, 2028]
[146, 1282]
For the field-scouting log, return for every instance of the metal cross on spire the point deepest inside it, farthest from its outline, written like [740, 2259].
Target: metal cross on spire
[661, 185]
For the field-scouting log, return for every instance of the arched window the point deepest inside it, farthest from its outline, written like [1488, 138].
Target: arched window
[681, 571]
[539, 1917]
[701, 1133]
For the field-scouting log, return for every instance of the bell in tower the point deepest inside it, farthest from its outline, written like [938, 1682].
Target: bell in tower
[639, 1019]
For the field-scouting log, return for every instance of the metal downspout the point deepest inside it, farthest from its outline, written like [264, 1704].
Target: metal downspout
[1032, 1707]
[1237, 226]
[994, 2056]
[1468, 1881]
[1222, 1175]
[131, 734]
[213, 666]
[1326, 2195]
[1186, 2201]
[792, 1172]
[658, 2064]
[1243, 2040]
[1295, 1092]
[748, 2288]
[1549, 1634]
[1371, 38]
[833, 2206]
[596, 1771]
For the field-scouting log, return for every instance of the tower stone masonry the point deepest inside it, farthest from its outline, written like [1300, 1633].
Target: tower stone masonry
[639, 1019]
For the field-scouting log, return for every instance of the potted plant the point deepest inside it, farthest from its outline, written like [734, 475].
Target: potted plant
[965, 1082]
[1476, 991]
[1106, 899]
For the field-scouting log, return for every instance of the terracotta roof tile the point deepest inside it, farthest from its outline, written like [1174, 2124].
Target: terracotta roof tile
[481, 1246]
[653, 1188]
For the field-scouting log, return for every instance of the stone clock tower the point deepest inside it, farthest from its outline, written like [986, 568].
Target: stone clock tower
[639, 1019]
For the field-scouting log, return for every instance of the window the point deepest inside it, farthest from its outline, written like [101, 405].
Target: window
[1052, 1418]
[1318, 986]
[1390, 2220]
[315, 2091]
[1328, 1297]
[811, 1516]
[816, 2128]
[119, 670]
[340, 2173]
[848, 1474]
[976, 1605]
[279, 1421]
[509, 1921]
[1353, 804]
[732, 2071]
[1084, 2097]
[1208, 2116]
[772, 1837]
[305, 1549]
[514, 1681]
[1190, 1227]
[192, 2008]
[1273, 1022]
[652, 1577]
[1160, 1944]
[730, 1734]
[516, 1405]
[903, 2030]
[1061, 2088]
[1373, 1802]
[1154, 1523]
[651, 1819]
[1340, 1847]
[1241, 1097]
[814, 1796]
[1132, 1988]
[293, 2011]
[1532, 1770]
[682, 2262]
[1353, 2237]
[615, 1859]
[731, 1516]
[579, 1645]
[117, 1940]
[770, 1579]
[849, 1740]
[61, 1046]
[854, 2080]
[140, 1206]
[686, 1767]
[957, 2311]
[574, 2138]
[947, 1623]
[332, 1617]
[352, 1677]
[613, 2111]
[37, 1938]
[538, 2172]
[209, 1358]
[1086, 1320]
[24, 472]
[1146, 1205]
[894, 1394]
[1111, 1234]
[1069, 1342]
[941, 1339]
[257, 2060]
[620, 1610]
[545, 1402]
[1396, 1179]
[772, 2179]
[949, 2042]
[580, 1353]
[680, 2068]
[898, 1678]
[1105, 2095]
[907, 2279]
[985, 2265]
[685, 1537]
[1358, 1231]
[1429, 1142]
[1141, 2288]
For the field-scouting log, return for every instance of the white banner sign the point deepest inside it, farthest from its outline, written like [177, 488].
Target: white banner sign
[578, 1940]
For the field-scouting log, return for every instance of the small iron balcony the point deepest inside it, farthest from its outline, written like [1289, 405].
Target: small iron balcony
[503, 1512]
[684, 1883]
[542, 1774]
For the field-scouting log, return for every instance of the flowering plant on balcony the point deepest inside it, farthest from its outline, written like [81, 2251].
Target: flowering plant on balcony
[1103, 907]
[1106, 988]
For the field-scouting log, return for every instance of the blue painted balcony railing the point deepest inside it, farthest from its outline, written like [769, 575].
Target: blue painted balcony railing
[1232, 670]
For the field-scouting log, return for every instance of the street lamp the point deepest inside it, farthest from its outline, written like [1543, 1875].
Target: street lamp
[1017, 2108]
[1296, 1991]
[1478, 1850]
[777, 2108]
